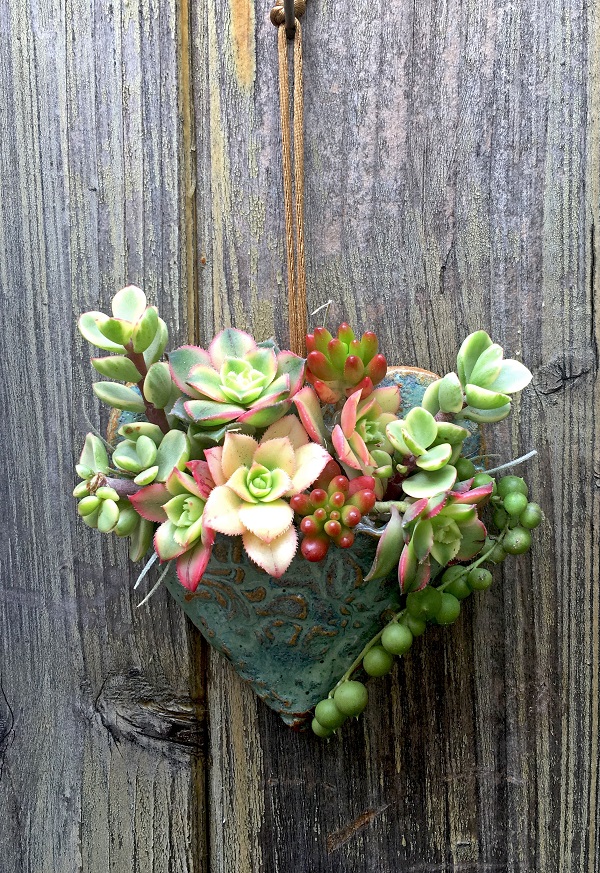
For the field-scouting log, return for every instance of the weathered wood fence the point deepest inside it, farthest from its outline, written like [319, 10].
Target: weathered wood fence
[453, 182]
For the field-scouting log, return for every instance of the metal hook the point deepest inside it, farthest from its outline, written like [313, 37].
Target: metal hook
[290, 18]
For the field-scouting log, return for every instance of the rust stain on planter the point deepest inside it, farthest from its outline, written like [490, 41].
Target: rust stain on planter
[243, 42]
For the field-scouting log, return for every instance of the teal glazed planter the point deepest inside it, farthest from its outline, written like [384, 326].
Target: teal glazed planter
[293, 638]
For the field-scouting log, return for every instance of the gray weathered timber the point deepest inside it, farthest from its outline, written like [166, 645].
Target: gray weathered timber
[101, 708]
[453, 182]
[452, 167]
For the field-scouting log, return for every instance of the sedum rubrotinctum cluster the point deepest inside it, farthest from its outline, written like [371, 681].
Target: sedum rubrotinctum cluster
[298, 456]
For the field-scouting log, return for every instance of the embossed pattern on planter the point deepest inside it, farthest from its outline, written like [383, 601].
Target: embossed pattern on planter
[293, 637]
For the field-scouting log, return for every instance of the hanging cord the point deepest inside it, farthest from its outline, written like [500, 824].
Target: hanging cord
[293, 172]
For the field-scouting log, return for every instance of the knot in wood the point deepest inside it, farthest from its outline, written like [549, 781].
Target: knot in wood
[278, 13]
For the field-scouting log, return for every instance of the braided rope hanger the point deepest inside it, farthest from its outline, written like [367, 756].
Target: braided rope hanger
[285, 17]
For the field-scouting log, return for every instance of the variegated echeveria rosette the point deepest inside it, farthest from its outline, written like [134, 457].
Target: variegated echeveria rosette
[295, 457]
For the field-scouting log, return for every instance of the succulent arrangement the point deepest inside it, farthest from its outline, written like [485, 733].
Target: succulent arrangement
[300, 456]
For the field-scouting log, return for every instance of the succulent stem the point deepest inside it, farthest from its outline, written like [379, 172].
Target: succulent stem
[154, 415]
[386, 506]
[123, 487]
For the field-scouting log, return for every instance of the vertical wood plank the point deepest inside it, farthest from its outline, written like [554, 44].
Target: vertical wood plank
[452, 183]
[101, 712]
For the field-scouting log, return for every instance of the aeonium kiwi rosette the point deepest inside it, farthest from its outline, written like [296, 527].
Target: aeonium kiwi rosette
[297, 457]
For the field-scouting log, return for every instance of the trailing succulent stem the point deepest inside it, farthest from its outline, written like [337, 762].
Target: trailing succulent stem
[433, 604]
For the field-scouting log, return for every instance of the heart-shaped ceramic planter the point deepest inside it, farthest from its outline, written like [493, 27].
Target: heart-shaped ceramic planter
[293, 638]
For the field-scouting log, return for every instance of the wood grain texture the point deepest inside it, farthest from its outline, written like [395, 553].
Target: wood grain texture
[101, 712]
[452, 164]
[453, 182]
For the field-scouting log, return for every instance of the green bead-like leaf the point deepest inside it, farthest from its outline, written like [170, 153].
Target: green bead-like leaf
[422, 426]
[471, 349]
[430, 400]
[484, 398]
[157, 385]
[129, 303]
[435, 458]
[145, 330]
[117, 367]
[174, 451]
[424, 484]
[450, 395]
[119, 396]
[94, 457]
[488, 366]
[155, 350]
[88, 326]
[513, 377]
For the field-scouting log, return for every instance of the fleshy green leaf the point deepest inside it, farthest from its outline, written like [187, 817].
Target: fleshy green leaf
[414, 447]
[473, 535]
[182, 361]
[141, 540]
[230, 343]
[484, 398]
[173, 451]
[422, 426]
[488, 366]
[424, 484]
[116, 330]
[471, 349]
[146, 477]
[448, 432]
[483, 416]
[157, 385]
[208, 413]
[146, 450]
[129, 303]
[514, 376]
[430, 400]
[389, 548]
[136, 429]
[145, 330]
[394, 434]
[126, 458]
[450, 395]
[435, 458]
[94, 455]
[117, 367]
[422, 539]
[155, 350]
[88, 328]
[165, 543]
[128, 521]
[119, 396]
